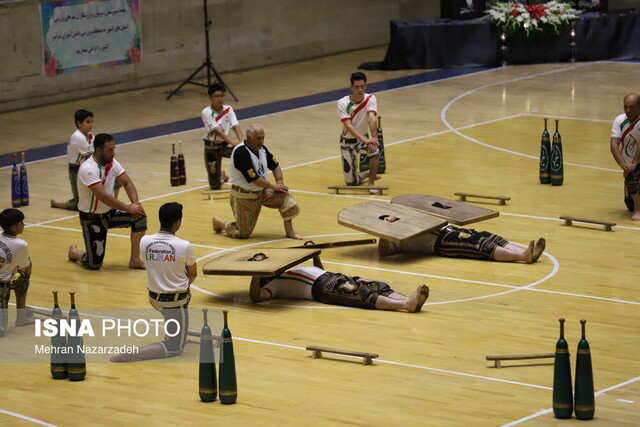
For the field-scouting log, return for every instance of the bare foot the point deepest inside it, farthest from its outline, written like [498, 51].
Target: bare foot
[24, 320]
[73, 249]
[374, 192]
[218, 224]
[423, 296]
[294, 235]
[528, 253]
[636, 216]
[413, 301]
[122, 357]
[387, 247]
[137, 264]
[538, 249]
[224, 177]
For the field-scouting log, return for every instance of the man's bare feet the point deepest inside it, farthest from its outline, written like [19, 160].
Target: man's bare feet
[636, 216]
[538, 249]
[423, 296]
[218, 224]
[224, 177]
[528, 253]
[413, 301]
[387, 247]
[137, 264]
[24, 321]
[56, 204]
[294, 235]
[24, 316]
[72, 254]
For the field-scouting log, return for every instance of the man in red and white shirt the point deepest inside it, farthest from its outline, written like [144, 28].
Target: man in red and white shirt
[625, 135]
[358, 113]
[219, 120]
[100, 210]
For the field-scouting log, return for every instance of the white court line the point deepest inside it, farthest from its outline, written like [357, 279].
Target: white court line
[443, 115]
[549, 410]
[24, 417]
[566, 118]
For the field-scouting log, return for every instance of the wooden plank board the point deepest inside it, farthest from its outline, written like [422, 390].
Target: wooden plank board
[458, 213]
[337, 188]
[239, 264]
[366, 217]
[310, 244]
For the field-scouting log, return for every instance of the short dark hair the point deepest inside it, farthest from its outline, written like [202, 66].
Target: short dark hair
[358, 76]
[81, 115]
[169, 214]
[101, 139]
[10, 217]
[216, 87]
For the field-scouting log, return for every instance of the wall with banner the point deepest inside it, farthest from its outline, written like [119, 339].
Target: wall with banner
[54, 51]
[81, 34]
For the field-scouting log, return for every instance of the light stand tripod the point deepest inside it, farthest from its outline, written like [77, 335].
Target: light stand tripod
[206, 64]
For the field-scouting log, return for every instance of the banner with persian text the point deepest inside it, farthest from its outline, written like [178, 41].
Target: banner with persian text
[85, 34]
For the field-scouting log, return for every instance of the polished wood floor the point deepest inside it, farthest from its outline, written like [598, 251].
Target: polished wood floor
[476, 133]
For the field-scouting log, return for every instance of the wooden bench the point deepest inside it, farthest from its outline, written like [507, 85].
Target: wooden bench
[498, 359]
[212, 193]
[337, 188]
[463, 197]
[608, 225]
[317, 353]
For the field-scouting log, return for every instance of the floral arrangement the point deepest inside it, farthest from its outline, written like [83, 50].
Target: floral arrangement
[531, 19]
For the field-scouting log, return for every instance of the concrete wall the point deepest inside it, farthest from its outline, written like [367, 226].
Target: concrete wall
[244, 34]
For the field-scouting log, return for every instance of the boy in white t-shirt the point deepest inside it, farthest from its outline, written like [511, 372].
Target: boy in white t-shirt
[79, 149]
[171, 268]
[15, 268]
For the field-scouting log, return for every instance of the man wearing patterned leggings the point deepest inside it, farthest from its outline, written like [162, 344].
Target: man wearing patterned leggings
[315, 283]
[251, 189]
[358, 113]
[454, 242]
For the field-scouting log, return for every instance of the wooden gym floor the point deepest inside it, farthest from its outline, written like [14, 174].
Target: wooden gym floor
[475, 133]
